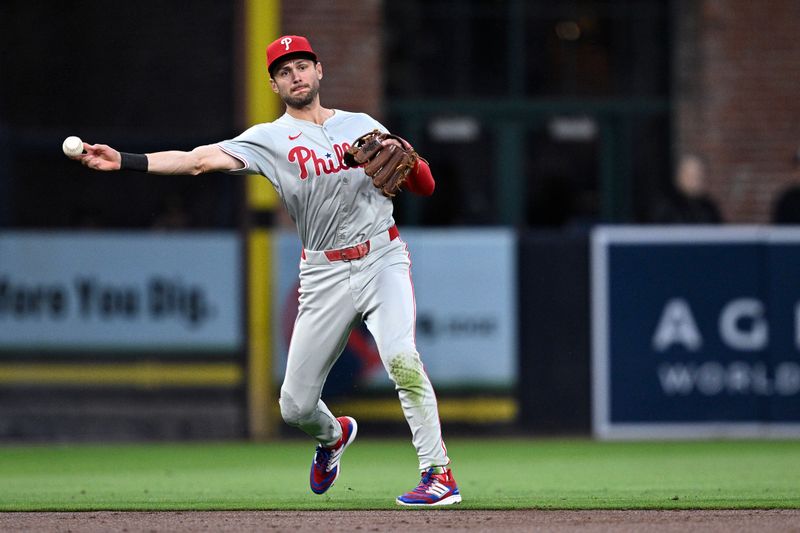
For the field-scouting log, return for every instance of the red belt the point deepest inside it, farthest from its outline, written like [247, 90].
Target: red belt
[358, 251]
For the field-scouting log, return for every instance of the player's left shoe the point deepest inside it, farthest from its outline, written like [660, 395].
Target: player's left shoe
[434, 489]
[325, 467]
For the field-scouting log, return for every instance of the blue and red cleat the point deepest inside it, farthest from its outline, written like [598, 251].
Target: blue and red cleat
[434, 489]
[325, 466]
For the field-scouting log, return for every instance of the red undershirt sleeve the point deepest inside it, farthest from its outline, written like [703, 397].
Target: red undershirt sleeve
[420, 180]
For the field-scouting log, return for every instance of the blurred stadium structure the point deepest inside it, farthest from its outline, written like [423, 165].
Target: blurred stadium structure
[541, 120]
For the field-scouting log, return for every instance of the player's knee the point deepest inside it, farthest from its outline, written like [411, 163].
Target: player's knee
[292, 412]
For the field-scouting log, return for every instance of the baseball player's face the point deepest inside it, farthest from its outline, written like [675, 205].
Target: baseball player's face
[296, 81]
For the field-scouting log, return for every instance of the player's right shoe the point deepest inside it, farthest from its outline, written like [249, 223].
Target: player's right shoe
[434, 489]
[325, 466]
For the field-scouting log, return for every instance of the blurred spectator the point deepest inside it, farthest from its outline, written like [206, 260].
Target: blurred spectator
[688, 202]
[786, 209]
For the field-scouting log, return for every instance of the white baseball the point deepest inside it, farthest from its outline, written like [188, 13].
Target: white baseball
[72, 146]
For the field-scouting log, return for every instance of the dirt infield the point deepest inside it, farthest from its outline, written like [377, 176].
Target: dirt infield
[405, 520]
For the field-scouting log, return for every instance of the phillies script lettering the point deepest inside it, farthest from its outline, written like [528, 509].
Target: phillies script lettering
[329, 164]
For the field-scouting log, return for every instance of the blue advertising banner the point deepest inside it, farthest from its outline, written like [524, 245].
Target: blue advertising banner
[695, 332]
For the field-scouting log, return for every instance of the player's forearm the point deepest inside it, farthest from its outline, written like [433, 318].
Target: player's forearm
[208, 158]
[174, 162]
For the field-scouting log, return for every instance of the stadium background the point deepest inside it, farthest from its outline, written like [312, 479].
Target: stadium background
[541, 120]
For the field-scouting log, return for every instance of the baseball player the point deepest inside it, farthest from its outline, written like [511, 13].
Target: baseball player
[353, 266]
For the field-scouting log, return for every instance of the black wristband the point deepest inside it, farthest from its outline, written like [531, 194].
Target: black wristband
[133, 162]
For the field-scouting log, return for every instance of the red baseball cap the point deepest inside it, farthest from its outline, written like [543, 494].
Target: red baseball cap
[287, 45]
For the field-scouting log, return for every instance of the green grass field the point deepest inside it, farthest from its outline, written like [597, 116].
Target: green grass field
[492, 474]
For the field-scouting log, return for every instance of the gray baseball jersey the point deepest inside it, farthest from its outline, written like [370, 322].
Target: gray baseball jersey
[333, 205]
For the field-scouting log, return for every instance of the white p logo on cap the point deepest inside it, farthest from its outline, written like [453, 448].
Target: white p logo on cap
[286, 41]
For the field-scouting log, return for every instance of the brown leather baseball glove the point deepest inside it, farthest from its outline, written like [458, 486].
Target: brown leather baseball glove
[386, 163]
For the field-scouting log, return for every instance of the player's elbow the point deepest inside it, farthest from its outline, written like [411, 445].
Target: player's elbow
[210, 158]
[196, 170]
[421, 181]
[419, 190]
[426, 189]
[199, 164]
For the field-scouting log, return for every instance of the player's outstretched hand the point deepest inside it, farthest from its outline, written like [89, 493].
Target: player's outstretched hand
[100, 157]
